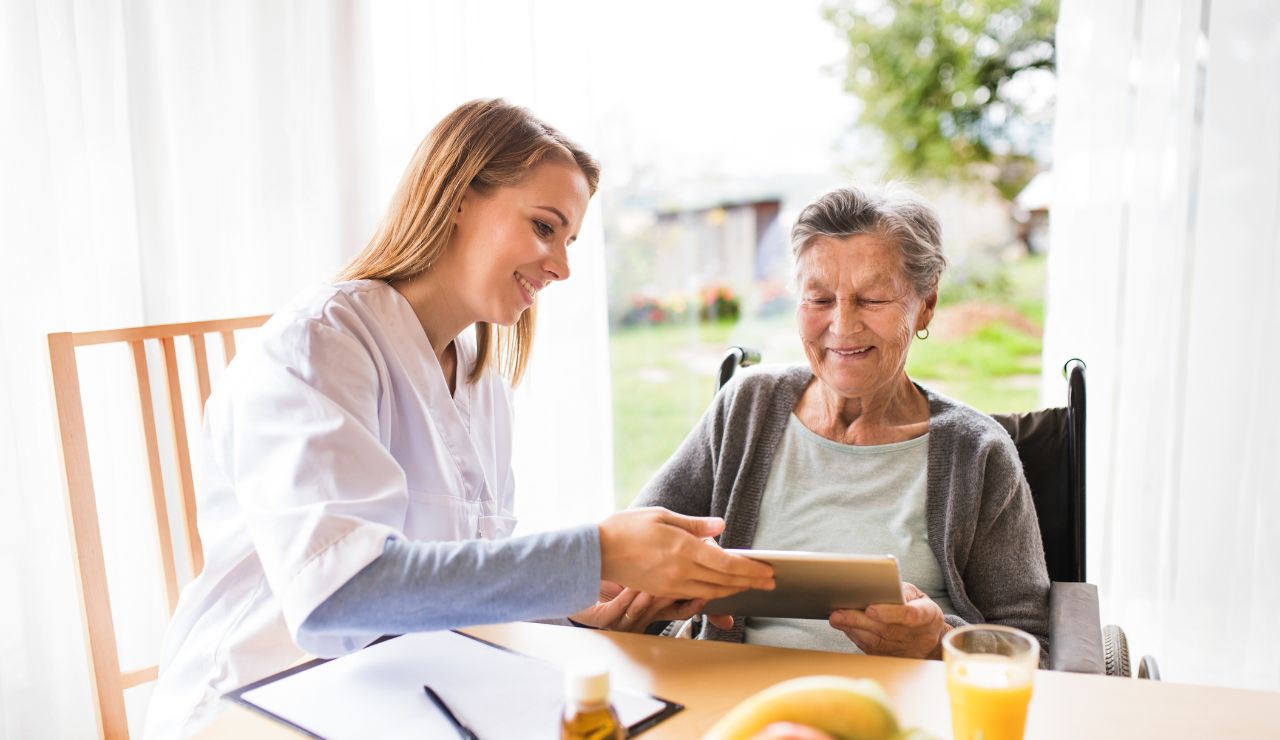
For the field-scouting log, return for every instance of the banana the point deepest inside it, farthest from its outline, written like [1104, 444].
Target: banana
[845, 708]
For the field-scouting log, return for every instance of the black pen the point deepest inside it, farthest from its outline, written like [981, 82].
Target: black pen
[464, 732]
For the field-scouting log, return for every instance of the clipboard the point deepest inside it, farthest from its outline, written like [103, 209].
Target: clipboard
[377, 692]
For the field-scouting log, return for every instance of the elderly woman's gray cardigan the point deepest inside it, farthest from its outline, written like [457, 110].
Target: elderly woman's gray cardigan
[981, 519]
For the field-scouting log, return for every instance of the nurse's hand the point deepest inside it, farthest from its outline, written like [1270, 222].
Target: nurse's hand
[660, 552]
[913, 629]
[629, 610]
[723, 621]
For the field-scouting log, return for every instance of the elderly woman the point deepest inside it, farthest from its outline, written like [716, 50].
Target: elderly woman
[847, 454]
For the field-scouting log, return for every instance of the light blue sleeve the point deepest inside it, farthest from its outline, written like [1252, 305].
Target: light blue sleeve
[423, 586]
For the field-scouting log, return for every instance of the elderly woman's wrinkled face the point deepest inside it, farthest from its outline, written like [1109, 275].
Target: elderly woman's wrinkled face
[857, 313]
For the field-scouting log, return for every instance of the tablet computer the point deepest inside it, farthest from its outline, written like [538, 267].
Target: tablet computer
[811, 585]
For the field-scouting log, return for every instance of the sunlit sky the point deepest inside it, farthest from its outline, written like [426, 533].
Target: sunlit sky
[691, 89]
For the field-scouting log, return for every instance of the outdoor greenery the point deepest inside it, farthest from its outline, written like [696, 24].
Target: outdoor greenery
[986, 353]
[957, 91]
[935, 80]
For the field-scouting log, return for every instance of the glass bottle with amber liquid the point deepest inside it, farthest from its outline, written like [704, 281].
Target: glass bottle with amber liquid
[588, 715]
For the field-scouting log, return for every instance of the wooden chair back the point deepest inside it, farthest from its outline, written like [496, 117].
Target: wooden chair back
[109, 678]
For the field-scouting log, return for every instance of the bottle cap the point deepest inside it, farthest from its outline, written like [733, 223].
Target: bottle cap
[586, 683]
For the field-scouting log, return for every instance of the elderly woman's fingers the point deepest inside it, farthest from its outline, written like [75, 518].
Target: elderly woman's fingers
[637, 616]
[614, 613]
[668, 610]
[679, 609]
[841, 618]
[607, 614]
[918, 611]
[665, 609]
[723, 621]
[914, 635]
[914, 614]
[858, 620]
[632, 611]
[609, 590]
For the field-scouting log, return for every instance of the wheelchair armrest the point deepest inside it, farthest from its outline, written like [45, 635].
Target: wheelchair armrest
[1075, 630]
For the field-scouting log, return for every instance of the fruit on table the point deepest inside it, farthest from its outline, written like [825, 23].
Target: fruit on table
[845, 708]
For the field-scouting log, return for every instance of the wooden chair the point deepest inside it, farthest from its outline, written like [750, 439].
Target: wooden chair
[109, 679]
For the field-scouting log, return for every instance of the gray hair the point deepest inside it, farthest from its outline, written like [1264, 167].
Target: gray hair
[894, 212]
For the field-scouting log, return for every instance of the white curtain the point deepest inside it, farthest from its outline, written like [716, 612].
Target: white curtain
[179, 161]
[1165, 257]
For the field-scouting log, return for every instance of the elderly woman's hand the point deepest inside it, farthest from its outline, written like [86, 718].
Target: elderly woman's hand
[910, 630]
[628, 610]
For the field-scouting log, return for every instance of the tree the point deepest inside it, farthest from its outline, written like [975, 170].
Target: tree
[949, 84]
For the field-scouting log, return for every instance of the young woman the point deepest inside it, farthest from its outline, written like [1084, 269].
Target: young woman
[355, 472]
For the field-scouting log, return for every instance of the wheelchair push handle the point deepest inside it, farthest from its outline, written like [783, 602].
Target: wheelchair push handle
[734, 358]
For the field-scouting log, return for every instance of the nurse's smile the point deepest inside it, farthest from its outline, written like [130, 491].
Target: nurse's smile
[528, 287]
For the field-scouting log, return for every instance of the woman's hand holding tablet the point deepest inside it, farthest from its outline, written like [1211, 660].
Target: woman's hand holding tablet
[913, 629]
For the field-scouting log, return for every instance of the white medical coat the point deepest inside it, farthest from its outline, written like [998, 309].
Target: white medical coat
[334, 433]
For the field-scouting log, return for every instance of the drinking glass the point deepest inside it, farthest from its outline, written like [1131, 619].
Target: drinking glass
[990, 669]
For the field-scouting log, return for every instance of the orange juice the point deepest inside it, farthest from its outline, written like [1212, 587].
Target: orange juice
[989, 697]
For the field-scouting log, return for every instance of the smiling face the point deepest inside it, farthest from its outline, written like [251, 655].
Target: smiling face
[857, 313]
[510, 243]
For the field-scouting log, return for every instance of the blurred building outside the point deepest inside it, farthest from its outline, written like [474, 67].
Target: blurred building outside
[1032, 212]
[718, 236]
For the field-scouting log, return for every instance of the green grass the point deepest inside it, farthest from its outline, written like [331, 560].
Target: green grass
[664, 376]
[661, 384]
[996, 350]
[1019, 284]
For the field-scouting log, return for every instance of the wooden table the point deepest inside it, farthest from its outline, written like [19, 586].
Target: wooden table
[709, 678]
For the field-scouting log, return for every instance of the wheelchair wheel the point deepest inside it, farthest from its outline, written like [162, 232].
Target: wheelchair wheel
[1115, 651]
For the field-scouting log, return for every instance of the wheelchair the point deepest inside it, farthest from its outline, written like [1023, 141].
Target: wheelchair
[1050, 443]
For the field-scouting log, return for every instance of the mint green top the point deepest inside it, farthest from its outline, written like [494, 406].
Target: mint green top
[875, 505]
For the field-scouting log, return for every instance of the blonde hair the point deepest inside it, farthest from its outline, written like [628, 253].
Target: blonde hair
[483, 144]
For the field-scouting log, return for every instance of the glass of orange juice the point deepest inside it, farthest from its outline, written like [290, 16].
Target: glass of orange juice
[989, 674]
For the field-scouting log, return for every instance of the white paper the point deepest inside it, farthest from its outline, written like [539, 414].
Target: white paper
[377, 692]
